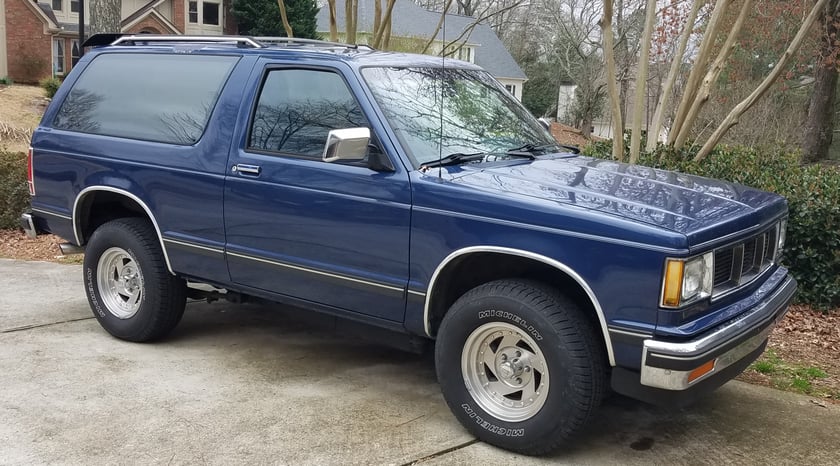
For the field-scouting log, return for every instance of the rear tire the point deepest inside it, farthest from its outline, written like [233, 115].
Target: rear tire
[520, 365]
[129, 288]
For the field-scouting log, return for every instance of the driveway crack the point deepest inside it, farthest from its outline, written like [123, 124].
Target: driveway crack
[441, 453]
[50, 324]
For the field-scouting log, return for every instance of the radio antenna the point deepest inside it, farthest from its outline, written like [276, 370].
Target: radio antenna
[441, 83]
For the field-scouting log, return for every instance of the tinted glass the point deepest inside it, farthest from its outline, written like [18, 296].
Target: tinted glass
[437, 111]
[162, 98]
[298, 108]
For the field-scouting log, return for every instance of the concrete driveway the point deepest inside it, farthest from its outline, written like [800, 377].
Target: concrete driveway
[246, 384]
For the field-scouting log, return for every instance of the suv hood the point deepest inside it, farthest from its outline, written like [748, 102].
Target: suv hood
[702, 209]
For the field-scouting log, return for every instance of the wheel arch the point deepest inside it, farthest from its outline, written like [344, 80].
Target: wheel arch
[130, 204]
[439, 297]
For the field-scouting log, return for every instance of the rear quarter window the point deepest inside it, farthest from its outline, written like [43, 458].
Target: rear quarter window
[152, 97]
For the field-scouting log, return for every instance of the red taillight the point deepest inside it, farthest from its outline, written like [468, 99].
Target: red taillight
[29, 174]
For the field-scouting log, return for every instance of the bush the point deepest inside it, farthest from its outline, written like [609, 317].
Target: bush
[50, 86]
[812, 251]
[6, 81]
[14, 193]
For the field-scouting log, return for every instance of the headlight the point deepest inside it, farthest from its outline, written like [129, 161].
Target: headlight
[687, 280]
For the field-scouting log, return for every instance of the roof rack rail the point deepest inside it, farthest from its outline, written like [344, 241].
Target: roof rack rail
[240, 41]
[299, 41]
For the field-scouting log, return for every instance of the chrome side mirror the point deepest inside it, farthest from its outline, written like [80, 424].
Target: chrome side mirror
[545, 122]
[347, 145]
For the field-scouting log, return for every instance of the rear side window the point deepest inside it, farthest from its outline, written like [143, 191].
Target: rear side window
[153, 97]
[298, 108]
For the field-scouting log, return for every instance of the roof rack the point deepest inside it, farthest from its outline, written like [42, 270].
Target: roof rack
[298, 41]
[240, 41]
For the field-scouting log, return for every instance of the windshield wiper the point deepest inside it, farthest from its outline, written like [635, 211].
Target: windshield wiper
[453, 159]
[531, 149]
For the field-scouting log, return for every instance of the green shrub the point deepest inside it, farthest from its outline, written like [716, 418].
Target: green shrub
[14, 193]
[812, 251]
[6, 81]
[50, 86]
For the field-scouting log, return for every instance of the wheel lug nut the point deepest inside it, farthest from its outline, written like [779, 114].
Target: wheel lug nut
[527, 368]
[518, 380]
[518, 353]
[504, 357]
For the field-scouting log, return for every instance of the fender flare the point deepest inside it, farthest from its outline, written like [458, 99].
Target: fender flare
[427, 325]
[77, 230]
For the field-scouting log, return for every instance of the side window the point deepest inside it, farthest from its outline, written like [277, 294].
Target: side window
[152, 97]
[296, 110]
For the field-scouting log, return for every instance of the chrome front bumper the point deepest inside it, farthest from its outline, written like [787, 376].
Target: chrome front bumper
[679, 366]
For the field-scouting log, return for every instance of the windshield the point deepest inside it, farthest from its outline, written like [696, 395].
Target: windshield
[464, 111]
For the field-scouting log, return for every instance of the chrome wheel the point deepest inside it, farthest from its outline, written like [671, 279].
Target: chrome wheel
[120, 283]
[505, 372]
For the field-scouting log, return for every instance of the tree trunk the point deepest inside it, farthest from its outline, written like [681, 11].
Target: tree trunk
[285, 19]
[385, 25]
[665, 98]
[734, 116]
[691, 87]
[377, 14]
[349, 27]
[333, 25]
[612, 88]
[105, 16]
[386, 37]
[819, 127]
[712, 75]
[641, 83]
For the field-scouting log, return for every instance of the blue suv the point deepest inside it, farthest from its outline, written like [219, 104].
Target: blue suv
[413, 194]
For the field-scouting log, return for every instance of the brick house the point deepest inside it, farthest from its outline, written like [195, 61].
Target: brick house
[40, 39]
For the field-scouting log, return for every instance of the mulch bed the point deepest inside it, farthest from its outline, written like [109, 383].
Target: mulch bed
[16, 245]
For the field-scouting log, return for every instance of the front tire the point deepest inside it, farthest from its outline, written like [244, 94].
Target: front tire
[520, 366]
[129, 289]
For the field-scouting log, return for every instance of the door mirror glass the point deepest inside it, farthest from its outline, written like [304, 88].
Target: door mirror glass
[346, 145]
[545, 123]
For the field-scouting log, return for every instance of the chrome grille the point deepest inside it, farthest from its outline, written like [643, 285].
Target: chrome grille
[738, 264]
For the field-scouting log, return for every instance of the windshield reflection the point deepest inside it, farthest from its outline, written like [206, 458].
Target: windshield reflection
[464, 111]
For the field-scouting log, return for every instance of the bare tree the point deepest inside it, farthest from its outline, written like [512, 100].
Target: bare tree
[734, 116]
[283, 17]
[333, 25]
[641, 81]
[819, 128]
[694, 78]
[705, 90]
[612, 87]
[676, 64]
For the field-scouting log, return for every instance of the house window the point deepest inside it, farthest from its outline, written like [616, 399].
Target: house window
[210, 13]
[58, 56]
[74, 52]
[74, 6]
[510, 88]
[56, 5]
[466, 54]
[193, 12]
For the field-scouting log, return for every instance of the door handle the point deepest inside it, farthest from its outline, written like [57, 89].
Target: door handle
[244, 169]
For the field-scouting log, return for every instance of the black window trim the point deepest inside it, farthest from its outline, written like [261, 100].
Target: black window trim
[267, 69]
[209, 117]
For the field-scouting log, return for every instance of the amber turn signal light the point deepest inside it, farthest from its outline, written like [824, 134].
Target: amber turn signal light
[701, 371]
[673, 283]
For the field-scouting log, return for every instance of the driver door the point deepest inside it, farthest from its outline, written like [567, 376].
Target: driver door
[332, 233]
